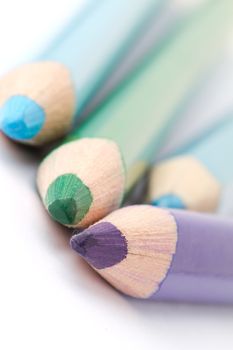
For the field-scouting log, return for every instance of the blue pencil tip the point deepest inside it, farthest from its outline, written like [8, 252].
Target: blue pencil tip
[169, 201]
[21, 118]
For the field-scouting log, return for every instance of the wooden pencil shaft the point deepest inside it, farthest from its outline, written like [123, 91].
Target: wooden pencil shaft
[137, 115]
[216, 87]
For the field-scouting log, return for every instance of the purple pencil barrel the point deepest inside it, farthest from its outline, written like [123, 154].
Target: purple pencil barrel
[202, 266]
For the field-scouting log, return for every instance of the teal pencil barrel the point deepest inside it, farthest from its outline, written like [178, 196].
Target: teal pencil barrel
[97, 41]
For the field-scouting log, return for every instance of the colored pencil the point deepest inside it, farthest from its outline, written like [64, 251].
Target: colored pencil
[194, 179]
[39, 100]
[165, 255]
[84, 179]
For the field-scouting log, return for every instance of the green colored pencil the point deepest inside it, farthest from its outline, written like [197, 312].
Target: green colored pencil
[83, 180]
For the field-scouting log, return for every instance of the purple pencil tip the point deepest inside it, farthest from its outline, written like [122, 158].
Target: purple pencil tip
[102, 245]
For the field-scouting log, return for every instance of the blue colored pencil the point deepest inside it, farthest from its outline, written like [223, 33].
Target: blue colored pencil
[194, 179]
[38, 101]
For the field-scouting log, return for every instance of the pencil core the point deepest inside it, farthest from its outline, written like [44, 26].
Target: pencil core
[169, 201]
[102, 245]
[21, 118]
[68, 199]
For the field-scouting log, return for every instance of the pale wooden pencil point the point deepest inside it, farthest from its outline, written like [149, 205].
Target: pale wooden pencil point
[82, 181]
[151, 235]
[50, 87]
[189, 180]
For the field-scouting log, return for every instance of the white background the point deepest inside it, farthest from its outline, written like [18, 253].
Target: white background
[49, 298]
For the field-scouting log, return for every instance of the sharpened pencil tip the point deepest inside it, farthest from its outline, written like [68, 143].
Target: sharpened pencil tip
[101, 245]
[63, 210]
[21, 118]
[169, 201]
[68, 199]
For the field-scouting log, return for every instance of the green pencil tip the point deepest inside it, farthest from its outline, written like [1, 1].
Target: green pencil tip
[63, 210]
[68, 199]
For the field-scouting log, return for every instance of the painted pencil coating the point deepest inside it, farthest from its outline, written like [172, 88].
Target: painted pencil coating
[143, 111]
[159, 27]
[40, 100]
[159, 88]
[207, 167]
[202, 267]
[97, 44]
[215, 152]
[172, 255]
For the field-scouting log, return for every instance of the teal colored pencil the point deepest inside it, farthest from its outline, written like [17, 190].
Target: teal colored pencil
[194, 179]
[38, 101]
[85, 178]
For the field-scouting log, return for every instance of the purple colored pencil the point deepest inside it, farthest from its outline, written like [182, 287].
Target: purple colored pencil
[160, 254]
